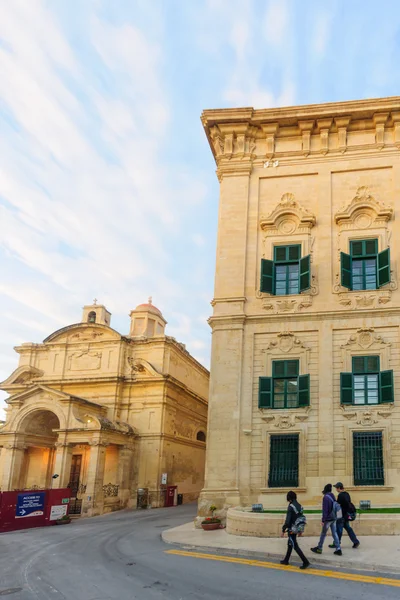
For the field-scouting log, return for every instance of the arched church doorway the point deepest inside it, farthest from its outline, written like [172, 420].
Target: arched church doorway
[38, 431]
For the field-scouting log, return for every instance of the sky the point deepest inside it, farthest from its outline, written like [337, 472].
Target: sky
[107, 183]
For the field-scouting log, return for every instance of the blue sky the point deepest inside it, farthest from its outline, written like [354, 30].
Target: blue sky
[107, 184]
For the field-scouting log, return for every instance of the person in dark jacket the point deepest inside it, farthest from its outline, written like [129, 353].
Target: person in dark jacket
[328, 521]
[294, 510]
[344, 523]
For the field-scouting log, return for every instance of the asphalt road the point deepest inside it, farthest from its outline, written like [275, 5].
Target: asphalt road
[122, 557]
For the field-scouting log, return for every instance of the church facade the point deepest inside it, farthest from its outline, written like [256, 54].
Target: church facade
[305, 367]
[109, 414]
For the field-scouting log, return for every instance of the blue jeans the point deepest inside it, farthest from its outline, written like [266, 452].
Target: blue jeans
[344, 524]
[325, 527]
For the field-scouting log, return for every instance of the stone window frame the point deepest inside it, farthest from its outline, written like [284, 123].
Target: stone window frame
[364, 218]
[367, 426]
[289, 223]
[301, 430]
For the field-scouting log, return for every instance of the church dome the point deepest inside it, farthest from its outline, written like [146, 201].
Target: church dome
[149, 306]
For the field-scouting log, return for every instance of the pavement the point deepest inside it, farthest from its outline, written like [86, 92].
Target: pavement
[121, 556]
[375, 553]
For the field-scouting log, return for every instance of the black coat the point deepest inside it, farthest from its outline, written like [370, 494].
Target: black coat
[291, 515]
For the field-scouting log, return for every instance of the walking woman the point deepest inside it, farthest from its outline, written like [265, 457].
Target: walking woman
[294, 511]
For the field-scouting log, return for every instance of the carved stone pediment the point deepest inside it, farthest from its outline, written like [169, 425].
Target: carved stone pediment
[366, 339]
[287, 217]
[140, 367]
[285, 342]
[363, 211]
[21, 377]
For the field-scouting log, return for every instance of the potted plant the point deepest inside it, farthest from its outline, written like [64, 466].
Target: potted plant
[212, 522]
[64, 520]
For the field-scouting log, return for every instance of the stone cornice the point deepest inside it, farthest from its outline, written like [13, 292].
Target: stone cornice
[245, 133]
[292, 114]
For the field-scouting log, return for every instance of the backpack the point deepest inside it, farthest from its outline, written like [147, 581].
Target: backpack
[336, 512]
[300, 522]
[352, 512]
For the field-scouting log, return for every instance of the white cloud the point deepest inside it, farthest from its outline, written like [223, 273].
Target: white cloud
[320, 39]
[276, 23]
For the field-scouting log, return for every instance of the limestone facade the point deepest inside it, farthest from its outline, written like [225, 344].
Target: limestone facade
[305, 365]
[108, 413]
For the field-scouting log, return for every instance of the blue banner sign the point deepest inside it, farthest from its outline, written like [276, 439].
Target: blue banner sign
[30, 505]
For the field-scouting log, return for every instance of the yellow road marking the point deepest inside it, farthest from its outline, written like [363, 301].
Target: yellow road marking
[278, 567]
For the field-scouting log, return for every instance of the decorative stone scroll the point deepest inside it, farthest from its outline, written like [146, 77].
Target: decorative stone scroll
[287, 217]
[234, 140]
[363, 212]
[141, 367]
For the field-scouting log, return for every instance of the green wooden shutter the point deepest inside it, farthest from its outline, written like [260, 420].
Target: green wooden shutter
[304, 390]
[346, 388]
[384, 267]
[265, 392]
[386, 392]
[267, 276]
[345, 270]
[305, 274]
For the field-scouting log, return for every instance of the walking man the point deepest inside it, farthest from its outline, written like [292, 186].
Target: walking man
[328, 521]
[347, 509]
[294, 510]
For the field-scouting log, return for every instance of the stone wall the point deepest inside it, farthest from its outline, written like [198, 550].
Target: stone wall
[241, 522]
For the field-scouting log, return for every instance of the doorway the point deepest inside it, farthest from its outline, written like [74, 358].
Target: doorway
[75, 507]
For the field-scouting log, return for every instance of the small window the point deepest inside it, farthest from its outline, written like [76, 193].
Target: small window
[287, 274]
[366, 384]
[92, 317]
[286, 388]
[368, 458]
[201, 436]
[284, 461]
[364, 268]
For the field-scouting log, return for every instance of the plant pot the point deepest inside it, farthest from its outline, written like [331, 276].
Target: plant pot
[63, 521]
[210, 526]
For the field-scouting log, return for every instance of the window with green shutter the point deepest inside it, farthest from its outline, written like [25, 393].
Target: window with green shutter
[284, 461]
[368, 458]
[364, 268]
[366, 384]
[287, 274]
[286, 388]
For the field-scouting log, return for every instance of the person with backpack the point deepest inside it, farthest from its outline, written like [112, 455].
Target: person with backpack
[348, 514]
[331, 511]
[294, 525]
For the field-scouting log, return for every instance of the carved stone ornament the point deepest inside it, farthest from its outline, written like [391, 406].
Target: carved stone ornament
[284, 422]
[365, 338]
[288, 304]
[366, 300]
[363, 211]
[236, 140]
[348, 415]
[86, 336]
[285, 342]
[139, 366]
[367, 419]
[287, 217]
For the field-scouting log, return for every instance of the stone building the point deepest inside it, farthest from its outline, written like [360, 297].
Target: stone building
[305, 381]
[107, 413]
